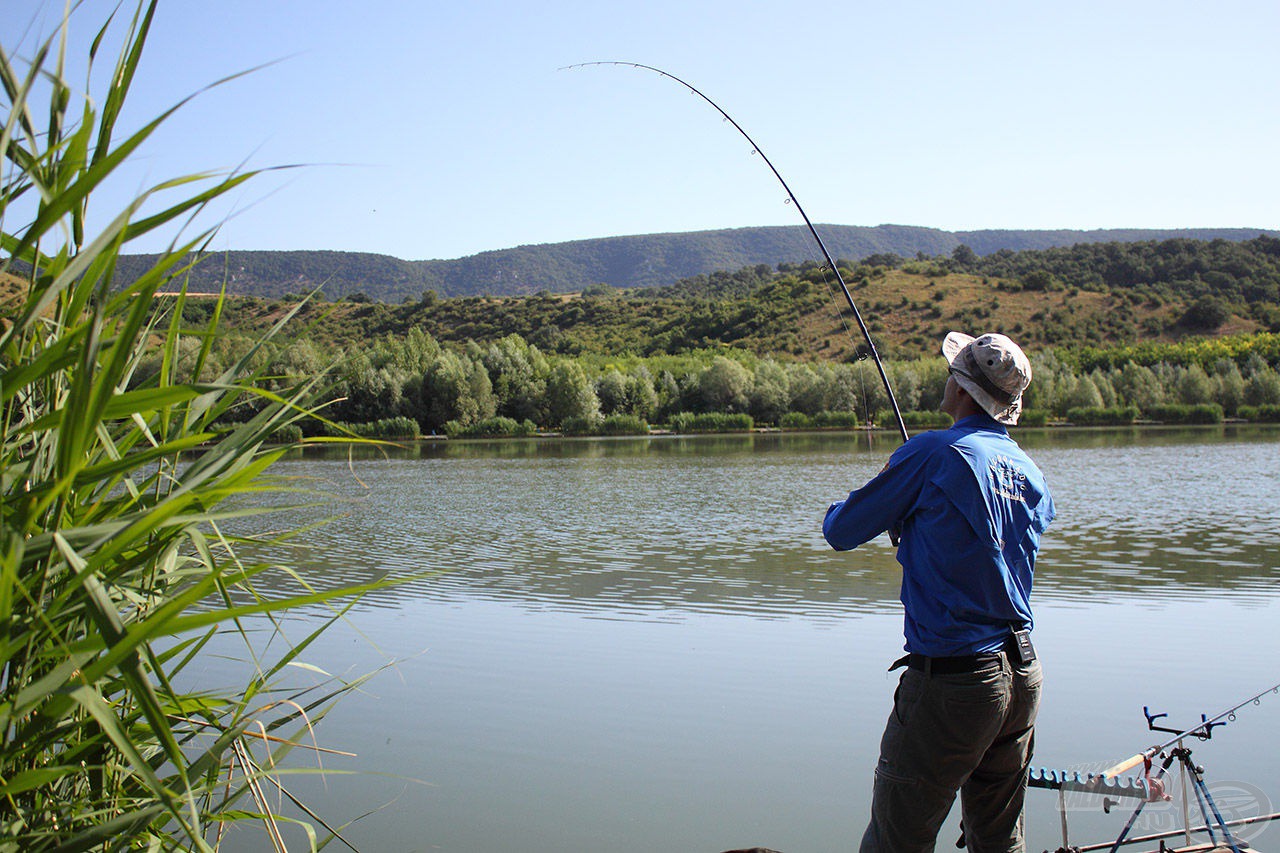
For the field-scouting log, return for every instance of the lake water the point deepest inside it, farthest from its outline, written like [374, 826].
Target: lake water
[645, 644]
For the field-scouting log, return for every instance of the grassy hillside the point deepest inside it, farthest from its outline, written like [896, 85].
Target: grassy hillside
[1088, 295]
[797, 313]
[649, 260]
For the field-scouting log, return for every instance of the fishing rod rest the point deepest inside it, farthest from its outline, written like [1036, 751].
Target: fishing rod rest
[1204, 731]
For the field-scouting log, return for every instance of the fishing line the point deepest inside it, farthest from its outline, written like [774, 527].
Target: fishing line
[830, 261]
[866, 401]
[857, 356]
[861, 403]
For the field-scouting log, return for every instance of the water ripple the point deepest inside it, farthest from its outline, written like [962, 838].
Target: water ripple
[646, 534]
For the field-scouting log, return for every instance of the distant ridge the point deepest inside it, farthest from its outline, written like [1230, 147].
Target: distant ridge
[646, 260]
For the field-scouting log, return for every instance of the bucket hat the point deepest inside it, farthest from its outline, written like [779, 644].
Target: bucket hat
[993, 369]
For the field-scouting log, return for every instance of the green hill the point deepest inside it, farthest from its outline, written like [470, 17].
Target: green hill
[640, 261]
[1090, 295]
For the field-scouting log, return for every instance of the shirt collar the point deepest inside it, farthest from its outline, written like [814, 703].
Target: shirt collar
[983, 421]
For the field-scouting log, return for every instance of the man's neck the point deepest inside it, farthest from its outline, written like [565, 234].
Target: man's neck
[966, 406]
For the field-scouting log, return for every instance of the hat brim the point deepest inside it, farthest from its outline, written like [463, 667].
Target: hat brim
[954, 343]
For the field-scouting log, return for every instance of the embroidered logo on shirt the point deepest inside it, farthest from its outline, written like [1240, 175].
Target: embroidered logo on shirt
[1007, 478]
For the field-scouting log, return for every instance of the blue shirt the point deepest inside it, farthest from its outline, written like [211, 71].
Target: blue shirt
[971, 507]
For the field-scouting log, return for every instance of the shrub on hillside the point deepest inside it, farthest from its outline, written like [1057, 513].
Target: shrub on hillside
[1206, 313]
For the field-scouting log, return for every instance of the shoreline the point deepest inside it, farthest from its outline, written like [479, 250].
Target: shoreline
[658, 432]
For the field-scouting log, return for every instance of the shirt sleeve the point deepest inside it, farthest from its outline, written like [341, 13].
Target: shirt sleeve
[884, 502]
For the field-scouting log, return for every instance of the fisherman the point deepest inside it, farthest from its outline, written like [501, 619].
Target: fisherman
[970, 508]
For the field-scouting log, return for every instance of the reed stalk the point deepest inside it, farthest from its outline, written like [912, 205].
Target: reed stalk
[116, 571]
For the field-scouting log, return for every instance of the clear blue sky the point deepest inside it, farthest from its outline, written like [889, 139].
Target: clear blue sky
[441, 129]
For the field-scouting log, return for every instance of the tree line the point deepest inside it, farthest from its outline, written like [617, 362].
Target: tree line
[450, 388]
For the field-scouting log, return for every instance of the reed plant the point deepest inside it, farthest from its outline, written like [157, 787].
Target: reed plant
[117, 567]
[836, 420]
[399, 427]
[685, 422]
[496, 427]
[795, 420]
[1261, 414]
[623, 425]
[919, 419]
[1181, 413]
[1100, 416]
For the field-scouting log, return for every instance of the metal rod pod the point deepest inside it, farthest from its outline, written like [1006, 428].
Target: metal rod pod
[1093, 783]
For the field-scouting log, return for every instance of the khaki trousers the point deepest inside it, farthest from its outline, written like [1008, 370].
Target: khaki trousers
[970, 732]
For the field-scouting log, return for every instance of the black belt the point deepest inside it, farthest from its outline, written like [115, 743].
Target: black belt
[952, 665]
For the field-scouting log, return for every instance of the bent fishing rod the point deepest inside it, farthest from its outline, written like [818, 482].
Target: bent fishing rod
[1203, 731]
[857, 315]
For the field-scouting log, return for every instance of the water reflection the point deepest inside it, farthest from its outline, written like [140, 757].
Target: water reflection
[1178, 517]
[841, 441]
[652, 527]
[652, 636]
